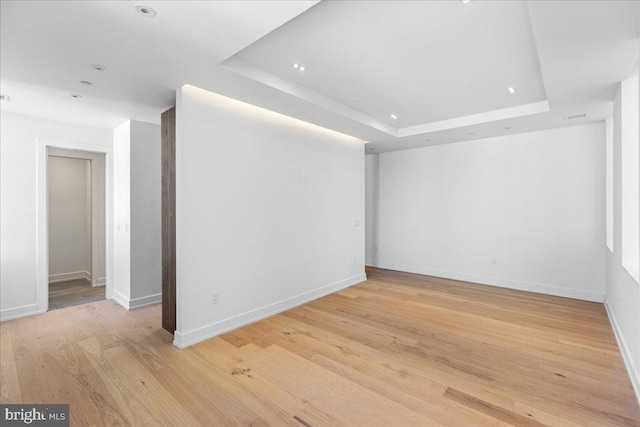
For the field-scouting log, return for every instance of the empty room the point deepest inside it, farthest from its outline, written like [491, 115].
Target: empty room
[320, 213]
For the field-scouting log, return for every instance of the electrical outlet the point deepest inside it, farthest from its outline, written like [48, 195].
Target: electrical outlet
[214, 297]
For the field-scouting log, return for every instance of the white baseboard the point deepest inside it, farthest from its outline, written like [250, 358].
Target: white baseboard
[624, 350]
[182, 340]
[145, 301]
[120, 299]
[17, 312]
[74, 275]
[495, 281]
[132, 304]
[101, 281]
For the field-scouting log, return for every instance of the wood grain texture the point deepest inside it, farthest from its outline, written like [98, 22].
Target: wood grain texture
[398, 349]
[168, 129]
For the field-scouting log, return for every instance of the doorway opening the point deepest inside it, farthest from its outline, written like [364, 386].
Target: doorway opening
[76, 205]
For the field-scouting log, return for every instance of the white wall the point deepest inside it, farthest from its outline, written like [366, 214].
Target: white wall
[122, 212]
[265, 213]
[69, 218]
[18, 209]
[371, 204]
[623, 292]
[629, 170]
[99, 171]
[138, 263]
[146, 228]
[525, 211]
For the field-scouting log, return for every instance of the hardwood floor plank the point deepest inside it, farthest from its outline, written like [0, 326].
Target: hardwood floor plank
[490, 409]
[270, 397]
[9, 383]
[393, 379]
[398, 349]
[342, 399]
[544, 417]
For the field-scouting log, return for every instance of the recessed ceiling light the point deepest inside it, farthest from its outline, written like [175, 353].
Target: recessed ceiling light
[302, 68]
[427, 140]
[4, 98]
[511, 89]
[295, 65]
[145, 10]
[99, 67]
[354, 98]
[394, 117]
[472, 133]
[75, 95]
[575, 116]
[507, 127]
[86, 83]
[466, 1]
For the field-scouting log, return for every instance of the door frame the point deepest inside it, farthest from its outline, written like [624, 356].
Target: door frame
[42, 219]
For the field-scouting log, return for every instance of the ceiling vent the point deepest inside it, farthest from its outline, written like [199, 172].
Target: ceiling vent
[575, 116]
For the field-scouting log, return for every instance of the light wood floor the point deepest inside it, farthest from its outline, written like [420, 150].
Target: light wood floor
[73, 292]
[399, 349]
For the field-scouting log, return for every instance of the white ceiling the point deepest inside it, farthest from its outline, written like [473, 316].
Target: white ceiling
[423, 61]
[442, 67]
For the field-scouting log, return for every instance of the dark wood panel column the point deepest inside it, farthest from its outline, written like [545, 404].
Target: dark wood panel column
[168, 125]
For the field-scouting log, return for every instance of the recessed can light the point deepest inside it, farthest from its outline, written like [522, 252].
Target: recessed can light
[99, 67]
[75, 95]
[295, 65]
[511, 90]
[302, 68]
[394, 117]
[471, 133]
[86, 83]
[466, 1]
[507, 127]
[145, 10]
[427, 140]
